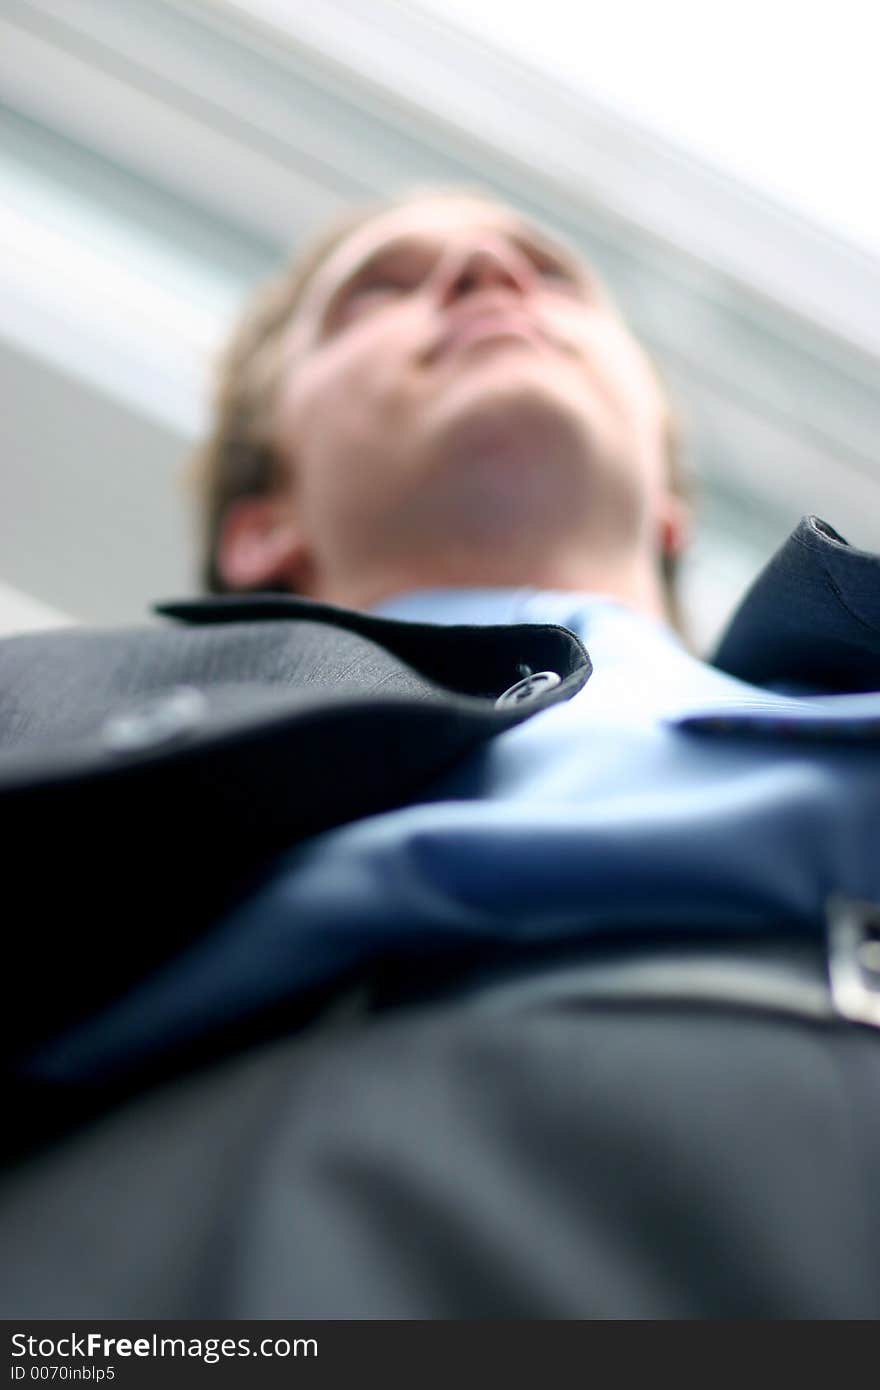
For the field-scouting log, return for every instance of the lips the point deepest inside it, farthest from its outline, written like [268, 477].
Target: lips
[489, 324]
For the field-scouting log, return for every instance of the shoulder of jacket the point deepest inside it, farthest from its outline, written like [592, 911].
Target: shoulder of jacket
[811, 616]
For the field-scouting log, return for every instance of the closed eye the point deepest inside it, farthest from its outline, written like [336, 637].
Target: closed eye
[558, 272]
[559, 275]
[384, 285]
[366, 294]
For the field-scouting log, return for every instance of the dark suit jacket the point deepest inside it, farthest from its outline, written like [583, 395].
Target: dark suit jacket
[430, 1161]
[147, 773]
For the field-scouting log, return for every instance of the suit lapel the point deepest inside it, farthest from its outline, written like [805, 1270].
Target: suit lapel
[812, 616]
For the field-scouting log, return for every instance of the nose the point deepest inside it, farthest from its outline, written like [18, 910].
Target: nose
[483, 266]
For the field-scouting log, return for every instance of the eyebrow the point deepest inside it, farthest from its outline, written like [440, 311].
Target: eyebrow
[388, 249]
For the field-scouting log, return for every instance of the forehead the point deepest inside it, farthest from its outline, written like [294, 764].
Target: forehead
[435, 219]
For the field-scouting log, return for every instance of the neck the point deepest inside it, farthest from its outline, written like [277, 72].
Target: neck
[632, 580]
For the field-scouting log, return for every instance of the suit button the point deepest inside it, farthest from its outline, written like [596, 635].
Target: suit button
[162, 720]
[529, 688]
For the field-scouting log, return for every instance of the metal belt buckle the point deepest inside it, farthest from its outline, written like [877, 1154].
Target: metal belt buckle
[854, 958]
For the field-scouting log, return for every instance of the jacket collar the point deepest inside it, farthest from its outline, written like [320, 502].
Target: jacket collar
[811, 617]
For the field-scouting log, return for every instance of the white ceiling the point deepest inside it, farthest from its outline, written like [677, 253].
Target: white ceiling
[783, 97]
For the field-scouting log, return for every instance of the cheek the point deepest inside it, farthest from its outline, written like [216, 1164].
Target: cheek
[357, 389]
[629, 382]
[339, 420]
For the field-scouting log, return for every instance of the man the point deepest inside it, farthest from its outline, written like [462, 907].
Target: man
[454, 400]
[469, 971]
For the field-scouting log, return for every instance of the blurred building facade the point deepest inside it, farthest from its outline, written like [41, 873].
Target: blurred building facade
[159, 158]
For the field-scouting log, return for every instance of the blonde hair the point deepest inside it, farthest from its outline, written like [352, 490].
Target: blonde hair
[238, 458]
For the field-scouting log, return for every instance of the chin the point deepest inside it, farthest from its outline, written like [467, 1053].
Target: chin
[514, 463]
[514, 412]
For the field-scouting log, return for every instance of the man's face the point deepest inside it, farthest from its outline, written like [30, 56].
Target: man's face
[453, 380]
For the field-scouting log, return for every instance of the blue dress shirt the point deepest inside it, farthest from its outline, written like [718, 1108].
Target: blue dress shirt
[664, 793]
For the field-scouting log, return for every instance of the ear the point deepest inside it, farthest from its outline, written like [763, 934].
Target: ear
[261, 545]
[674, 524]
